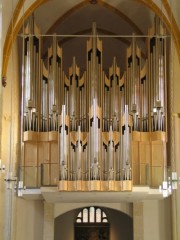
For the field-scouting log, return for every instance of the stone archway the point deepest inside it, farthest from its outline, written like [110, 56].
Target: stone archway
[92, 223]
[121, 225]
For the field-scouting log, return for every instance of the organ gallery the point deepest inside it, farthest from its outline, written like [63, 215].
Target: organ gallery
[90, 130]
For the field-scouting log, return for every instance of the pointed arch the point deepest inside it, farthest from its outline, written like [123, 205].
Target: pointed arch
[15, 25]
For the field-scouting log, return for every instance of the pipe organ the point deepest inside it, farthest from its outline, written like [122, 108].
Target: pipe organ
[90, 131]
[31, 77]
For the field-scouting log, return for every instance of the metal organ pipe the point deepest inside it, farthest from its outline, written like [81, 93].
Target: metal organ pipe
[31, 75]
[97, 113]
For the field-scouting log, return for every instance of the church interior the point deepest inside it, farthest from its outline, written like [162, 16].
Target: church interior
[90, 120]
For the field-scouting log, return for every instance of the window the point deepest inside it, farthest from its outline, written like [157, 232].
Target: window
[92, 215]
[92, 223]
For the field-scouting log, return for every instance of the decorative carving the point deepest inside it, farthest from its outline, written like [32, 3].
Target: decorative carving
[4, 81]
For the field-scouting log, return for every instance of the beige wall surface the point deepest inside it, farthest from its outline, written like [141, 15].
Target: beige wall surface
[157, 219]
[29, 220]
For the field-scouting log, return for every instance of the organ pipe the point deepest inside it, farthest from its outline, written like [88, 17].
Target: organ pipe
[157, 76]
[31, 75]
[55, 84]
[94, 114]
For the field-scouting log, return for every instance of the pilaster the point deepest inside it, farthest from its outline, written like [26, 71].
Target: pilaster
[138, 221]
[48, 232]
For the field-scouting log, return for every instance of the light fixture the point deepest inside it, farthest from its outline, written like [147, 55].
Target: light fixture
[171, 184]
[20, 189]
[174, 180]
[165, 189]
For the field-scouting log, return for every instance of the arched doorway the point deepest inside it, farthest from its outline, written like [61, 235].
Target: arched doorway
[120, 224]
[91, 224]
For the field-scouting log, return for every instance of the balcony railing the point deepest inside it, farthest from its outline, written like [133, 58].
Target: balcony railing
[47, 174]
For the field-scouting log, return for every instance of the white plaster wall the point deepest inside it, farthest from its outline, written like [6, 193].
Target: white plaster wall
[157, 219]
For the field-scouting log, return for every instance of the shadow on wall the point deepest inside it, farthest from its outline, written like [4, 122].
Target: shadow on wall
[121, 225]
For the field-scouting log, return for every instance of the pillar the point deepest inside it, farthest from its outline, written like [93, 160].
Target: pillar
[48, 233]
[138, 221]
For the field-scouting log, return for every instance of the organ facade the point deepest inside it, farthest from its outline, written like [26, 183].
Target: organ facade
[93, 131]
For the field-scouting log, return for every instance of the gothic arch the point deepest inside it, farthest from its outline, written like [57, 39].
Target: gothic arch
[16, 24]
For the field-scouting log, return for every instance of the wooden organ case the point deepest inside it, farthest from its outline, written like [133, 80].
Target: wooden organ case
[90, 131]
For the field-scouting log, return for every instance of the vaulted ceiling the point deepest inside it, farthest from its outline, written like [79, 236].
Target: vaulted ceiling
[71, 21]
[67, 18]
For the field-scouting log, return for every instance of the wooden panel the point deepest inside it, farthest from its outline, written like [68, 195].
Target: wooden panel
[46, 175]
[31, 177]
[156, 176]
[111, 185]
[43, 158]
[158, 136]
[157, 164]
[54, 164]
[63, 185]
[30, 154]
[30, 165]
[54, 152]
[95, 185]
[53, 136]
[135, 136]
[54, 174]
[30, 136]
[104, 185]
[145, 157]
[43, 153]
[126, 185]
[135, 162]
[145, 153]
[135, 152]
[157, 154]
[145, 136]
[147, 161]
[43, 136]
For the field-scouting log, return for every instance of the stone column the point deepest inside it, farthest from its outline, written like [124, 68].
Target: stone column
[48, 232]
[138, 221]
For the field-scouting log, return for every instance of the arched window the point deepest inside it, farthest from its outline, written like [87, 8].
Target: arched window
[92, 223]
